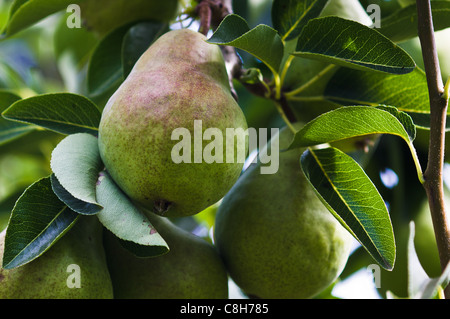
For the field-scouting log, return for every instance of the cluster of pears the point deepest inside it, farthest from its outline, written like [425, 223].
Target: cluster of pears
[192, 269]
[272, 234]
[180, 78]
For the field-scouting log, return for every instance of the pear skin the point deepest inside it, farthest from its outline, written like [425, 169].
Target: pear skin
[180, 79]
[192, 269]
[54, 275]
[277, 239]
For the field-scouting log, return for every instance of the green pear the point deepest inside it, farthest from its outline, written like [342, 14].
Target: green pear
[277, 239]
[154, 128]
[103, 16]
[73, 268]
[192, 269]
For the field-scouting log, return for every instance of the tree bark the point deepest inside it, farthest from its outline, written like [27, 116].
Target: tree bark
[433, 175]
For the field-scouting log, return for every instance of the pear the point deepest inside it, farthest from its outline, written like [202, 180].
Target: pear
[177, 90]
[277, 239]
[192, 269]
[103, 16]
[73, 268]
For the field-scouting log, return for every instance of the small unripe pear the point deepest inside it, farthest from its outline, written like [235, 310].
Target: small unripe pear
[179, 80]
[73, 268]
[192, 269]
[277, 239]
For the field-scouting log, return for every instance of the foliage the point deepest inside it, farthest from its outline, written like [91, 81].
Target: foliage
[362, 84]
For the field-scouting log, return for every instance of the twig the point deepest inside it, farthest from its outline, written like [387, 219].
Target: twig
[433, 175]
[211, 13]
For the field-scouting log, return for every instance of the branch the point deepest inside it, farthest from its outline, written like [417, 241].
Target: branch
[433, 175]
[211, 14]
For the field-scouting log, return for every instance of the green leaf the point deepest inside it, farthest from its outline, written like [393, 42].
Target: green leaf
[65, 113]
[416, 274]
[433, 285]
[123, 219]
[351, 197]
[408, 93]
[352, 121]
[76, 164]
[10, 130]
[402, 25]
[420, 286]
[105, 69]
[72, 202]
[24, 13]
[263, 42]
[76, 42]
[137, 40]
[290, 16]
[353, 45]
[37, 221]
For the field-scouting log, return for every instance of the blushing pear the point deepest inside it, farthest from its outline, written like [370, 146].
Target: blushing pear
[192, 269]
[277, 239]
[179, 81]
[73, 268]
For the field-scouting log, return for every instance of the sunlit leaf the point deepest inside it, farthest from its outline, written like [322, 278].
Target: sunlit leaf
[263, 42]
[353, 45]
[351, 197]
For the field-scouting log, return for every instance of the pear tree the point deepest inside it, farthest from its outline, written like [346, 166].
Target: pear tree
[335, 162]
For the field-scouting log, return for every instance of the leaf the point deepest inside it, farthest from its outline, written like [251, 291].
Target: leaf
[137, 40]
[290, 16]
[10, 130]
[76, 163]
[433, 285]
[408, 93]
[124, 220]
[353, 45]
[420, 286]
[352, 121]
[24, 13]
[37, 221]
[416, 274]
[402, 25]
[351, 197]
[72, 202]
[263, 42]
[78, 42]
[65, 113]
[105, 69]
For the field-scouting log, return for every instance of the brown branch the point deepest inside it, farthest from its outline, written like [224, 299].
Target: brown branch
[211, 14]
[433, 175]
[204, 12]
